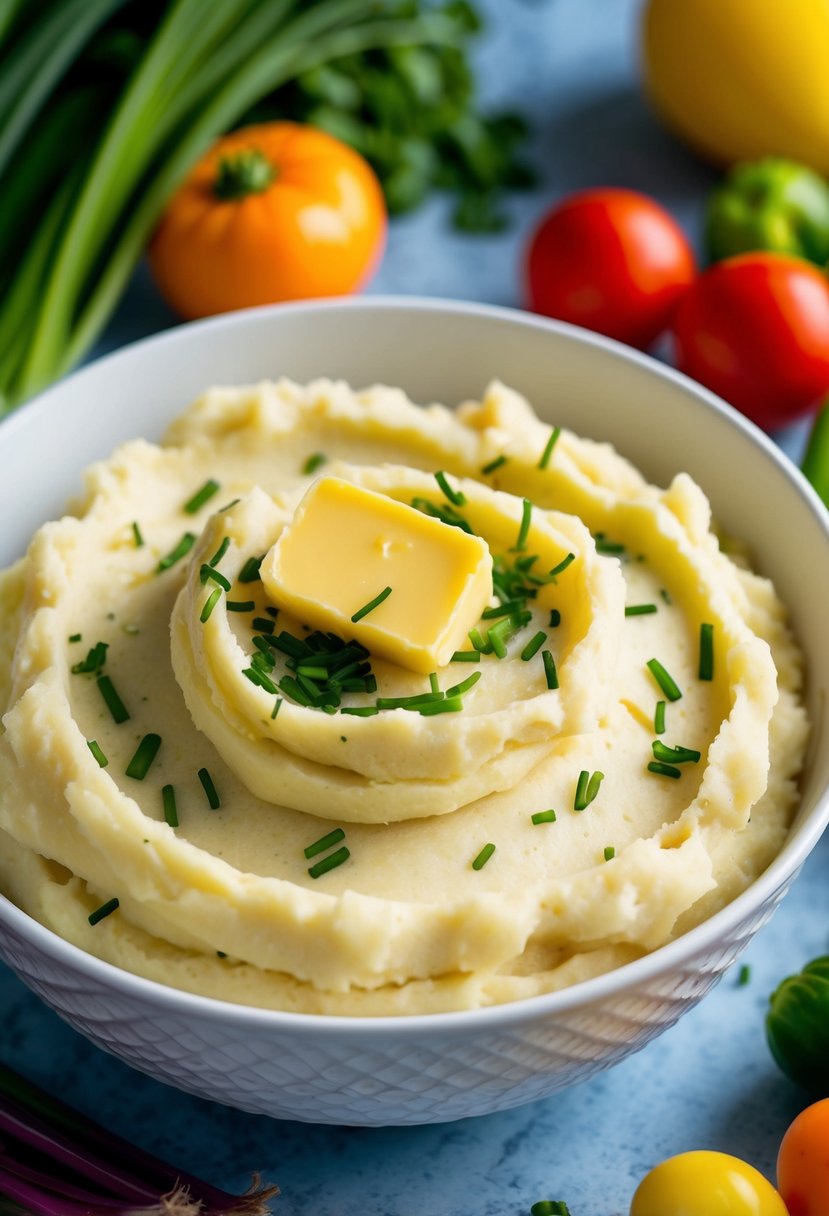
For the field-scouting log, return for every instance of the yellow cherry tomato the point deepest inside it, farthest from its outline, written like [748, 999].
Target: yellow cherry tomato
[740, 79]
[706, 1184]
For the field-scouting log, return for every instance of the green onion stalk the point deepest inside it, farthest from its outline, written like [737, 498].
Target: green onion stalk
[93, 179]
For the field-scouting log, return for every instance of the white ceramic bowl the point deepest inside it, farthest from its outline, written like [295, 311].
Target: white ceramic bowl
[445, 1066]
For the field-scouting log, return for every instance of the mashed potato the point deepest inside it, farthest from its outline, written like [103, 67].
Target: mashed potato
[179, 796]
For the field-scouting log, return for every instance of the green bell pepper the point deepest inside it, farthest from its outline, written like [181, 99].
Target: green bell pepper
[797, 1027]
[773, 204]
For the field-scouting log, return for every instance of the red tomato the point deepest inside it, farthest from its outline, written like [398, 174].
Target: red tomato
[803, 1163]
[755, 329]
[611, 260]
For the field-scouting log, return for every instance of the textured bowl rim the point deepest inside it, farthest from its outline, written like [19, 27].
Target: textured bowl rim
[492, 1018]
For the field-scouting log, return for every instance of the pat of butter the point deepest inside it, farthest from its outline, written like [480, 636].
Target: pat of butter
[345, 545]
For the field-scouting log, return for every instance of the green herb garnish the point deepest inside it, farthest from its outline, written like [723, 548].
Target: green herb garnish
[201, 496]
[105, 910]
[550, 673]
[543, 817]
[371, 605]
[209, 604]
[276, 707]
[555, 618]
[466, 656]
[659, 718]
[548, 449]
[209, 788]
[250, 571]
[264, 624]
[744, 976]
[457, 690]
[219, 554]
[315, 461]
[456, 497]
[562, 565]
[168, 801]
[240, 605]
[177, 553]
[664, 680]
[607, 547]
[483, 857]
[136, 534]
[706, 651]
[114, 704]
[664, 770]
[258, 677]
[97, 753]
[524, 530]
[534, 645]
[94, 661]
[587, 787]
[75, 637]
[493, 465]
[674, 755]
[145, 754]
[609, 852]
[639, 609]
[324, 843]
[360, 711]
[329, 863]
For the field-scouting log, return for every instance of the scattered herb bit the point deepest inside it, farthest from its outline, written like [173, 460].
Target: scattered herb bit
[665, 595]
[639, 609]
[478, 642]
[201, 496]
[315, 461]
[543, 817]
[706, 651]
[261, 679]
[250, 571]
[664, 680]
[276, 708]
[360, 711]
[587, 787]
[271, 611]
[208, 573]
[533, 646]
[550, 672]
[240, 605]
[609, 852]
[456, 497]
[674, 755]
[209, 788]
[524, 530]
[168, 801]
[114, 704]
[329, 863]
[97, 753]
[209, 604]
[445, 514]
[466, 656]
[555, 618]
[457, 690]
[493, 465]
[483, 857]
[562, 565]
[371, 605]
[659, 718]
[664, 770]
[94, 661]
[744, 975]
[263, 623]
[105, 910]
[220, 954]
[74, 637]
[324, 843]
[177, 553]
[607, 547]
[548, 449]
[219, 554]
[145, 754]
[137, 537]
[228, 505]
[434, 685]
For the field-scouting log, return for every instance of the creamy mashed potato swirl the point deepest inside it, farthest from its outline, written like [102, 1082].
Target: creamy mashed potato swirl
[620, 812]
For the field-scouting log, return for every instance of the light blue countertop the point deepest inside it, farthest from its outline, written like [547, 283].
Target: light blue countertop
[709, 1082]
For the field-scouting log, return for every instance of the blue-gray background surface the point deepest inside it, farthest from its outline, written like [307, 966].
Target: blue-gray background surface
[571, 66]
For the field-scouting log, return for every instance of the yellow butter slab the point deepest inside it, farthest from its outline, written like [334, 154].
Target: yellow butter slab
[346, 544]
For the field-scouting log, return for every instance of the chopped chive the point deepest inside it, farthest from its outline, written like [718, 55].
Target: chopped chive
[168, 801]
[496, 643]
[207, 572]
[290, 687]
[324, 843]
[250, 571]
[276, 708]
[114, 704]
[94, 661]
[466, 656]
[665, 681]
[97, 753]
[524, 531]
[360, 711]
[457, 690]
[665, 595]
[674, 755]
[550, 672]
[201, 496]
[228, 505]
[445, 514]
[145, 754]
[664, 770]
[609, 852]
[105, 910]
[603, 545]
[209, 788]
[555, 618]
[177, 553]
[329, 863]
[315, 461]
[434, 685]
[744, 976]
[219, 554]
[75, 637]
[240, 605]
[456, 497]
[209, 604]
[562, 565]
[290, 645]
[263, 623]
[503, 609]
[659, 718]
[449, 705]
[371, 605]
[587, 787]
[548, 450]
[136, 533]
[706, 651]
[311, 672]
[260, 679]
[543, 817]
[483, 857]
[478, 642]
[493, 465]
[533, 646]
[421, 698]
[639, 609]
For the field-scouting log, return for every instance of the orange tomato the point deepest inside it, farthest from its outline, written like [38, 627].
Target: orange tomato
[272, 212]
[803, 1162]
